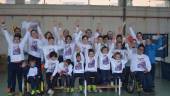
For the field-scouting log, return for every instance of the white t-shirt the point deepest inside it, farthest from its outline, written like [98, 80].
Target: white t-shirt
[123, 52]
[140, 62]
[49, 48]
[84, 47]
[65, 69]
[104, 59]
[68, 51]
[117, 66]
[32, 71]
[16, 51]
[52, 66]
[34, 47]
[78, 66]
[91, 64]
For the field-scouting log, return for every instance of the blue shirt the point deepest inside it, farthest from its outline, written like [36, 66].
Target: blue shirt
[151, 50]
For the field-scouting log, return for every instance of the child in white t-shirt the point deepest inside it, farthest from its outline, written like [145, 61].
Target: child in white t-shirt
[69, 47]
[117, 65]
[16, 53]
[52, 71]
[78, 70]
[140, 65]
[91, 69]
[65, 72]
[104, 63]
[33, 77]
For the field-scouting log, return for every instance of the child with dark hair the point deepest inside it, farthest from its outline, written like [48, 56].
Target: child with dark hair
[33, 77]
[84, 45]
[117, 65]
[35, 42]
[104, 54]
[91, 69]
[51, 71]
[47, 49]
[68, 46]
[119, 48]
[78, 70]
[65, 72]
[140, 39]
[48, 34]
[16, 53]
[140, 65]
[17, 30]
[106, 41]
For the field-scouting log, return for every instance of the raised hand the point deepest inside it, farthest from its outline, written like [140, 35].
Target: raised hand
[30, 29]
[99, 28]
[113, 39]
[60, 25]
[77, 25]
[2, 23]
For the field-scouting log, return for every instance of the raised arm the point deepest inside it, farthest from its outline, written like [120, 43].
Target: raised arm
[125, 59]
[7, 36]
[159, 45]
[98, 49]
[24, 40]
[40, 32]
[70, 68]
[111, 49]
[77, 35]
[56, 69]
[56, 33]
[132, 33]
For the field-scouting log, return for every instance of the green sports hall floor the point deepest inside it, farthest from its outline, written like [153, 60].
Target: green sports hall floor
[162, 88]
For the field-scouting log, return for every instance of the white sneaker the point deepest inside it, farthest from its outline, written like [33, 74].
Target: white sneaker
[100, 90]
[50, 92]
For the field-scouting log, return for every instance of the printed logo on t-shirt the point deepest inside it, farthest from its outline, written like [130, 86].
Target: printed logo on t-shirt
[16, 50]
[105, 60]
[142, 63]
[91, 64]
[34, 46]
[78, 66]
[118, 66]
[66, 70]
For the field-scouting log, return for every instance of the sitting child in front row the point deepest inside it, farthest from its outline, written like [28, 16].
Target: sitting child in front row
[91, 69]
[78, 70]
[65, 72]
[117, 65]
[51, 71]
[33, 77]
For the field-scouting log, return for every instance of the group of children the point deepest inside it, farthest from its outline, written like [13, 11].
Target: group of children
[87, 55]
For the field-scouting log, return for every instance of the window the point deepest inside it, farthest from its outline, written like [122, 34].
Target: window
[74, 2]
[151, 3]
[7, 1]
[144, 3]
